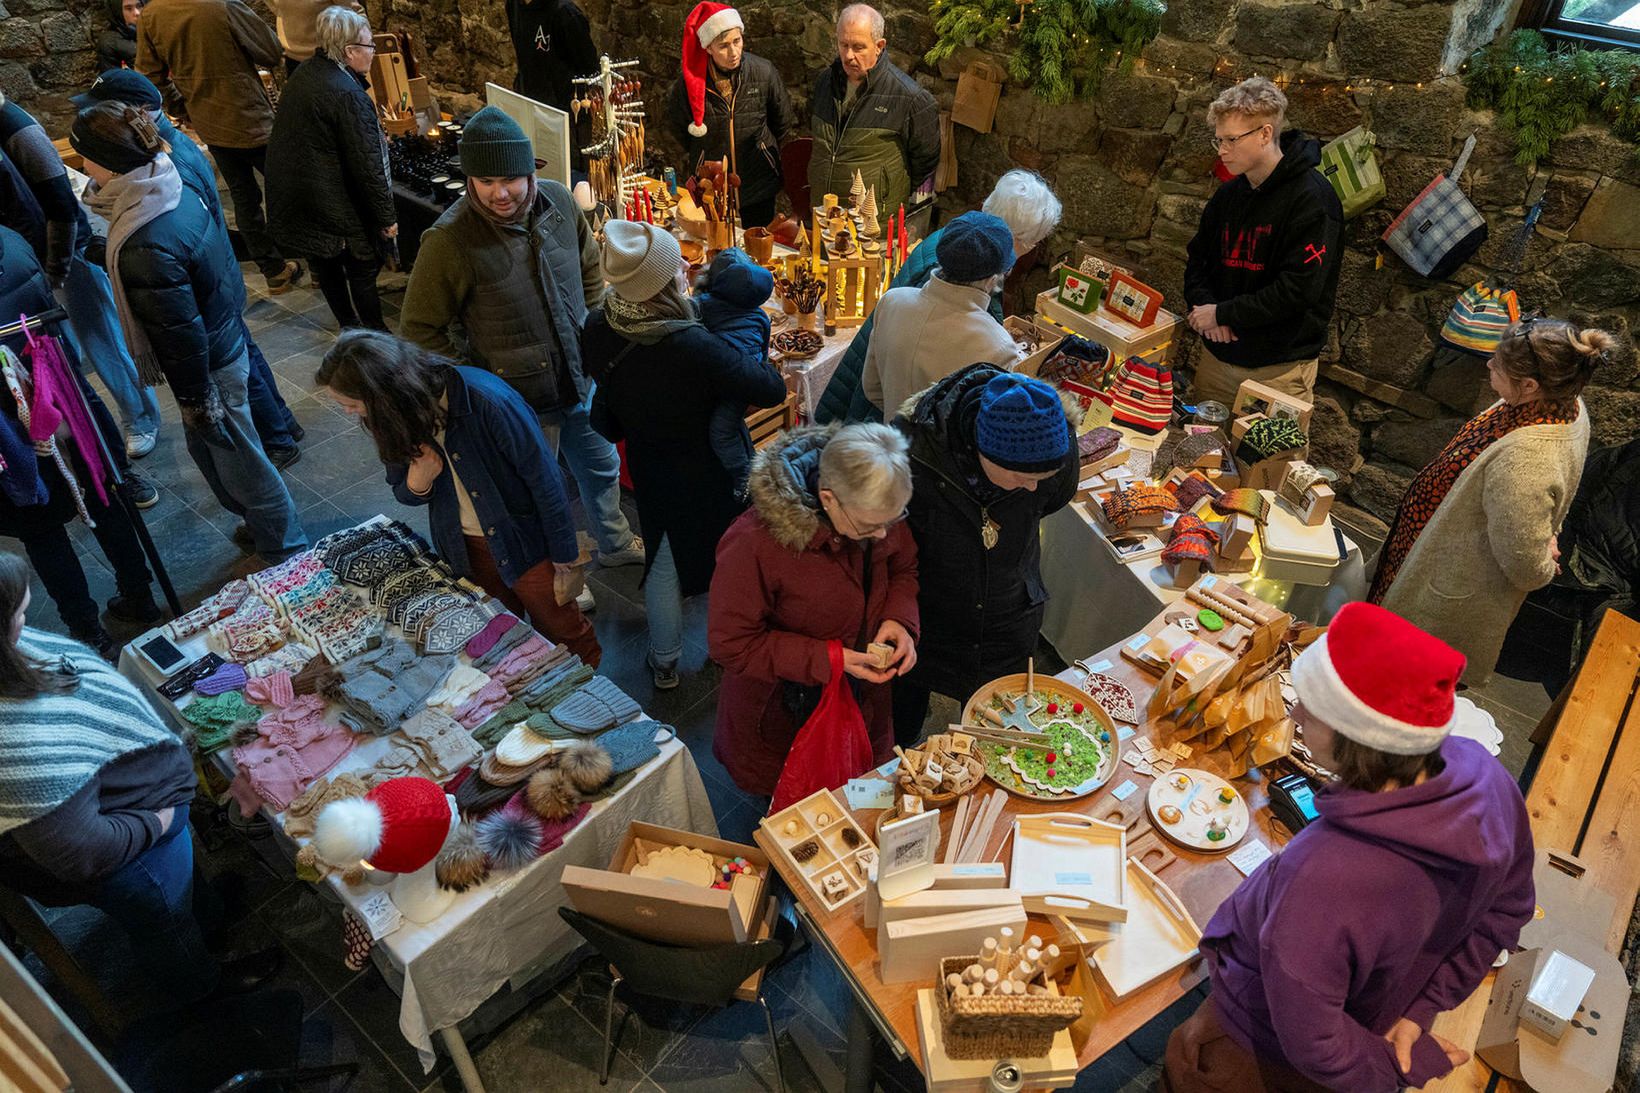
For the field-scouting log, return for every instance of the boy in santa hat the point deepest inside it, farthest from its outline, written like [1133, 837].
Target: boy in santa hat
[1332, 959]
[730, 99]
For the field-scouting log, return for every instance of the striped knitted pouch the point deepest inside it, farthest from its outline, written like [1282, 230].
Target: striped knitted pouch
[1245, 501]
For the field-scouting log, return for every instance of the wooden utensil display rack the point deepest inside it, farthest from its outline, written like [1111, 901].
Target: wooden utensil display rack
[616, 155]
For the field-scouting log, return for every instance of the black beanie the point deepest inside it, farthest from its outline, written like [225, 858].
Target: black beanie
[494, 146]
[102, 135]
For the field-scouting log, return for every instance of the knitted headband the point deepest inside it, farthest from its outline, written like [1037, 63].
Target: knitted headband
[1270, 437]
[1245, 501]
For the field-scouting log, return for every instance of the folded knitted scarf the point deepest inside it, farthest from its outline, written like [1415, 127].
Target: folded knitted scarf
[1248, 502]
[1192, 540]
[1137, 500]
[1270, 437]
[1186, 451]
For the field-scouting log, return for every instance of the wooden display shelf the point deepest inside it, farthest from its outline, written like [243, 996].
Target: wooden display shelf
[1110, 330]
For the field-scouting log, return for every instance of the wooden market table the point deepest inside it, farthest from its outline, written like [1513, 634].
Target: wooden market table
[1584, 798]
[1201, 881]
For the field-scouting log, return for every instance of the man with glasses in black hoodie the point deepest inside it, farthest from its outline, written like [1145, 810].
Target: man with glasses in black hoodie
[1262, 269]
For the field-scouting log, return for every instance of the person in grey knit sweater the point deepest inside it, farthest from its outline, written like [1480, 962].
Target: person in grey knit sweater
[104, 822]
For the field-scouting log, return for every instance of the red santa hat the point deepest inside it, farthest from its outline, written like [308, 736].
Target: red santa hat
[1380, 681]
[397, 827]
[700, 30]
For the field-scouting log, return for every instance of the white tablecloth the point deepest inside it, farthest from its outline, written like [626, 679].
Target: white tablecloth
[508, 928]
[809, 378]
[1094, 600]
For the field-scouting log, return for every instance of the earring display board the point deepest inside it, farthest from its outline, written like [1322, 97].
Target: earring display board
[547, 126]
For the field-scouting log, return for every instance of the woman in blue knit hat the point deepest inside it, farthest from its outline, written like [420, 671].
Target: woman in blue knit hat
[991, 455]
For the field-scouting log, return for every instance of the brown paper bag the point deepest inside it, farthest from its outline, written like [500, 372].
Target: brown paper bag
[978, 90]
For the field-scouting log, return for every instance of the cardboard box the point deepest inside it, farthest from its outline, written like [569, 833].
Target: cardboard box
[1555, 996]
[1253, 397]
[1050, 339]
[666, 911]
[1583, 1060]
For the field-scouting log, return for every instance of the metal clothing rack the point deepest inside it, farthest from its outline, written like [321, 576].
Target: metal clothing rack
[51, 318]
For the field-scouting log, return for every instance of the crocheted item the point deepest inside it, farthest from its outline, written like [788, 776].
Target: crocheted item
[1139, 499]
[1097, 443]
[483, 641]
[356, 941]
[1192, 541]
[1248, 502]
[1077, 360]
[229, 677]
[274, 690]
[216, 717]
[449, 631]
[597, 706]
[1268, 438]
[1194, 487]
[1142, 396]
[302, 812]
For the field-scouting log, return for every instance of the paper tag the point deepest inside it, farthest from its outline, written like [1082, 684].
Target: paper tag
[890, 768]
[1249, 855]
[1124, 732]
[1099, 666]
[869, 793]
[1138, 642]
[1209, 581]
[984, 869]
[380, 916]
[1125, 790]
[1081, 880]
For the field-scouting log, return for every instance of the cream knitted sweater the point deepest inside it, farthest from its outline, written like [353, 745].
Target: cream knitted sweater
[1487, 545]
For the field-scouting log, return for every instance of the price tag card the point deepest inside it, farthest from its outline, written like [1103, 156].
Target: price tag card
[1124, 732]
[1100, 666]
[1125, 790]
[869, 793]
[1249, 856]
[380, 916]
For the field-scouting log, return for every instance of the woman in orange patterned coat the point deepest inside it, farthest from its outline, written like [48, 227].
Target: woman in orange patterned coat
[1476, 530]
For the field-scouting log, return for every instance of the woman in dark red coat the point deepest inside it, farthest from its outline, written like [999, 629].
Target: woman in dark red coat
[822, 555]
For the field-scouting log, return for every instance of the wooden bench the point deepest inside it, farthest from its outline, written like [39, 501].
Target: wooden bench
[1584, 799]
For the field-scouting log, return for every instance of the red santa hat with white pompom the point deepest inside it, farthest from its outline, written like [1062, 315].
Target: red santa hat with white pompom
[700, 30]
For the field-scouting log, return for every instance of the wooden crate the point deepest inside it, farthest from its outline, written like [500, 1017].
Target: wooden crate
[1122, 338]
[766, 425]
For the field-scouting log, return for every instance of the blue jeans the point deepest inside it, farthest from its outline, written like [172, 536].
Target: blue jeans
[596, 466]
[243, 480]
[663, 603]
[152, 898]
[270, 415]
[95, 329]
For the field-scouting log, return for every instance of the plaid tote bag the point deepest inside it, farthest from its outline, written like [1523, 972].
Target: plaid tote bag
[1349, 164]
[1441, 228]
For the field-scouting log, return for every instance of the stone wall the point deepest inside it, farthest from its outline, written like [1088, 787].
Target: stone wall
[1134, 171]
[45, 46]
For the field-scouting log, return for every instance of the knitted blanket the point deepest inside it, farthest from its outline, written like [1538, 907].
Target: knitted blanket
[52, 745]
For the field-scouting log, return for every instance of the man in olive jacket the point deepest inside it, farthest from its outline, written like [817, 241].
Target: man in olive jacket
[869, 116]
[503, 281]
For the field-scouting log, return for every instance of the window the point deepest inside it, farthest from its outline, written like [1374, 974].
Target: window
[1599, 23]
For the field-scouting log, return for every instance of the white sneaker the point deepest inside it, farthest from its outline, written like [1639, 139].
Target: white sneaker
[631, 555]
[138, 445]
[585, 602]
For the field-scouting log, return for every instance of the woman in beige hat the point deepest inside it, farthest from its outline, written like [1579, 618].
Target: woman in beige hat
[659, 373]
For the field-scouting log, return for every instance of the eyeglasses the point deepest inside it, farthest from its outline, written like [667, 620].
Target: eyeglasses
[1220, 143]
[866, 531]
[371, 46]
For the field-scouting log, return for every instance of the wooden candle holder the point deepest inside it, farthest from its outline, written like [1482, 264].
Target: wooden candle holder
[853, 287]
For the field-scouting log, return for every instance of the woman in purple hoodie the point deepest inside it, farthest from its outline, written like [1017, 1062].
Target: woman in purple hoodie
[1331, 961]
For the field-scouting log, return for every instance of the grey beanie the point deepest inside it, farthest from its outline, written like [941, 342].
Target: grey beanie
[639, 259]
[973, 247]
[493, 146]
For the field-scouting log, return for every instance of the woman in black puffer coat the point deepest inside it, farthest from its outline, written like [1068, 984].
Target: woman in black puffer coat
[328, 192]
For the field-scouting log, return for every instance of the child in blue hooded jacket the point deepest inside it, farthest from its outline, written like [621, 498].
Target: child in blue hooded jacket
[731, 297]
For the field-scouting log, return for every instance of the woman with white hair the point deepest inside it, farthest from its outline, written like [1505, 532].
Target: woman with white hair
[823, 559]
[1023, 200]
[328, 192]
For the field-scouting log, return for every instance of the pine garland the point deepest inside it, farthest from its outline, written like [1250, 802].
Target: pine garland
[1543, 93]
[1063, 47]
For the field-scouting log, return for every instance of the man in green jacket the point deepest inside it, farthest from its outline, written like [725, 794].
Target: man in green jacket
[503, 281]
[869, 116]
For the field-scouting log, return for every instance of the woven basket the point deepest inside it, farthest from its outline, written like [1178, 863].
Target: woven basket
[999, 1027]
[908, 784]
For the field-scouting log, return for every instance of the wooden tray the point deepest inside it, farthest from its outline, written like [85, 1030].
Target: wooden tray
[1067, 696]
[1158, 936]
[1194, 793]
[1068, 864]
[834, 852]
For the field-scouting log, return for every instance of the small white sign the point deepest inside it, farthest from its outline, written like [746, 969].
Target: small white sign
[380, 916]
[1125, 790]
[1249, 856]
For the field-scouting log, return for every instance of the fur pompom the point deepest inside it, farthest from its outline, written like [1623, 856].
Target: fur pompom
[696, 129]
[511, 838]
[243, 734]
[551, 794]
[461, 864]
[348, 831]
[586, 765]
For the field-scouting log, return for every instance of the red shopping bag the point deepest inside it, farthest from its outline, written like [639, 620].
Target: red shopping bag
[831, 747]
